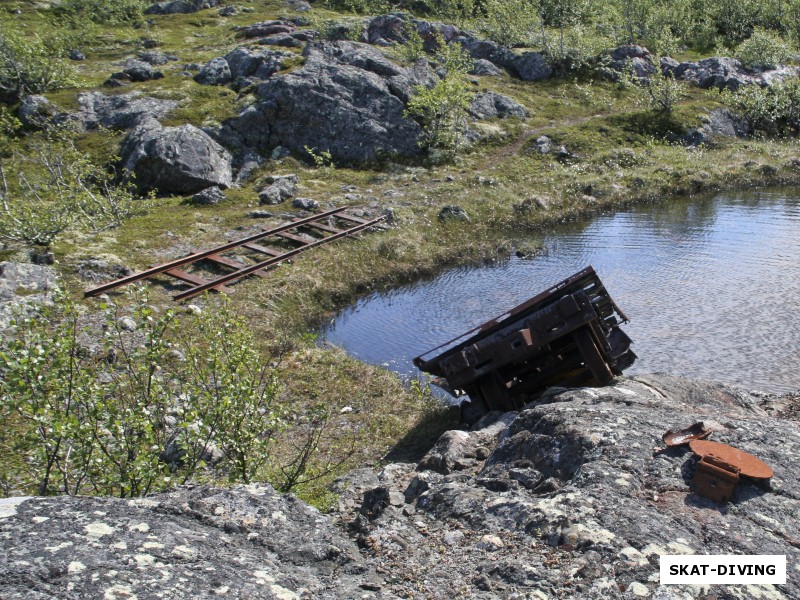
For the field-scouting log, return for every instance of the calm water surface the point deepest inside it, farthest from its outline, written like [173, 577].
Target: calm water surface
[712, 288]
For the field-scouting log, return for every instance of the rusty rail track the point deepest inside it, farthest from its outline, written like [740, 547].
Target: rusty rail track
[302, 234]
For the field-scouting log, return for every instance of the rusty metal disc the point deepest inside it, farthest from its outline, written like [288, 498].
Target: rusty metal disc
[747, 464]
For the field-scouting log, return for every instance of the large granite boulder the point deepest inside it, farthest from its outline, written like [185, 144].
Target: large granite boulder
[122, 111]
[242, 66]
[22, 287]
[35, 112]
[485, 105]
[348, 99]
[214, 72]
[241, 542]
[181, 160]
[630, 59]
[173, 7]
[578, 498]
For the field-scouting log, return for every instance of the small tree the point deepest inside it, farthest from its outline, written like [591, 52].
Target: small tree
[442, 108]
[230, 394]
[30, 64]
[55, 187]
[662, 92]
[45, 386]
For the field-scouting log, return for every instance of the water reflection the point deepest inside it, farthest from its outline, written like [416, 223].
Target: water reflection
[712, 288]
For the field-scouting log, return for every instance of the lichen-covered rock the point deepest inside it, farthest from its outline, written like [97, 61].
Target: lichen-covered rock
[209, 196]
[138, 70]
[214, 72]
[483, 67]
[23, 286]
[629, 59]
[348, 99]
[266, 28]
[173, 7]
[573, 497]
[241, 542]
[532, 66]
[122, 111]
[279, 188]
[486, 105]
[181, 160]
[452, 213]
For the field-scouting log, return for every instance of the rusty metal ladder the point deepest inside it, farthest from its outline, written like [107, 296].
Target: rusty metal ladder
[347, 225]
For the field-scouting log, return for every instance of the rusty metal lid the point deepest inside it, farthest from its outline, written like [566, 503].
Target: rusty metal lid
[698, 431]
[747, 464]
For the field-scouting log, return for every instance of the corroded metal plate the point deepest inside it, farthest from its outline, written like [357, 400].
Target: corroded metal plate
[748, 465]
[698, 431]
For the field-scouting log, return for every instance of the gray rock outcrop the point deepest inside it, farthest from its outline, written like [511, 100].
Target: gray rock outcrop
[181, 160]
[631, 59]
[23, 286]
[214, 72]
[242, 542]
[719, 123]
[571, 497]
[726, 73]
[122, 111]
[278, 189]
[180, 7]
[485, 105]
[242, 66]
[348, 99]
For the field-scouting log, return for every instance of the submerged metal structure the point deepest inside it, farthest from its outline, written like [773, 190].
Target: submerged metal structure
[567, 335]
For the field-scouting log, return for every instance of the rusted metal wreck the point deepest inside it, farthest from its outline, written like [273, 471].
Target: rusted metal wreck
[567, 335]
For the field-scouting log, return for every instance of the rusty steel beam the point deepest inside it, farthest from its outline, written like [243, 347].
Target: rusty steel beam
[272, 261]
[206, 253]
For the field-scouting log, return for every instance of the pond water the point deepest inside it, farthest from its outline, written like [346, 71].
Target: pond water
[711, 286]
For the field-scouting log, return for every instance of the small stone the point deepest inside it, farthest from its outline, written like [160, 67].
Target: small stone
[193, 309]
[279, 152]
[453, 213]
[490, 543]
[210, 195]
[76, 55]
[260, 214]
[346, 409]
[305, 203]
[453, 538]
[127, 324]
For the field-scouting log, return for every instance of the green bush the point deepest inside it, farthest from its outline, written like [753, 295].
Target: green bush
[55, 187]
[101, 422]
[104, 12]
[773, 110]
[511, 22]
[661, 93]
[30, 64]
[763, 50]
